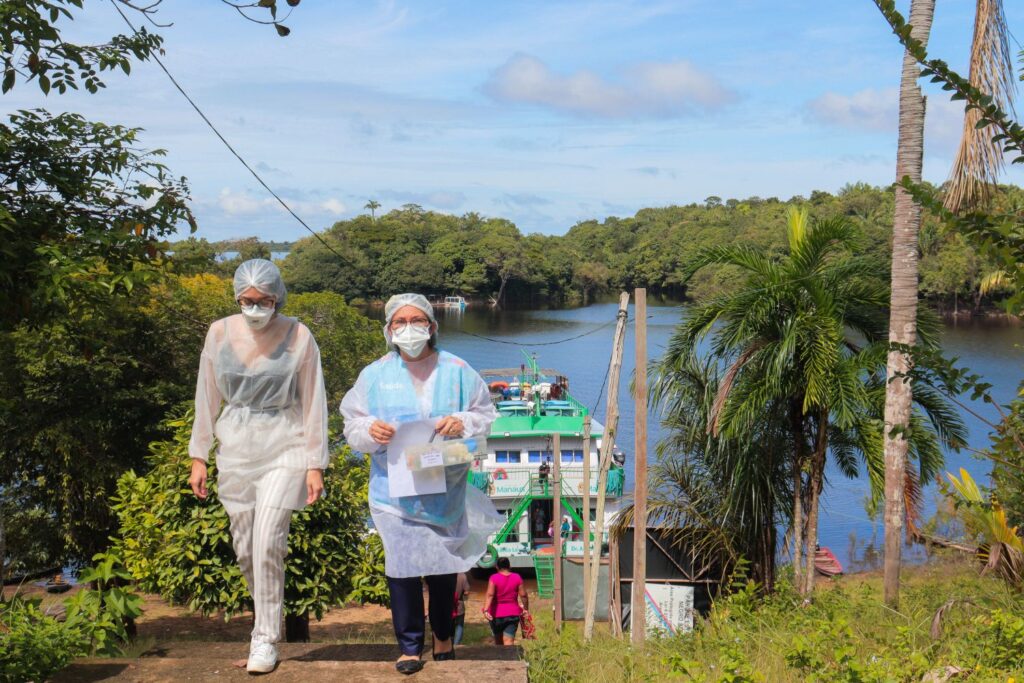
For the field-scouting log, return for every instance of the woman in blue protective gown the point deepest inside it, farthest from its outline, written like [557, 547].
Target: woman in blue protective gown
[433, 536]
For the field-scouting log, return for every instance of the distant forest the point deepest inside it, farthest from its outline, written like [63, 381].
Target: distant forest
[410, 249]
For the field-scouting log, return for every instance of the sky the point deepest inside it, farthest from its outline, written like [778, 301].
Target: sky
[545, 113]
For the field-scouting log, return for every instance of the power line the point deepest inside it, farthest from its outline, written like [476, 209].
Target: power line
[228, 144]
[550, 343]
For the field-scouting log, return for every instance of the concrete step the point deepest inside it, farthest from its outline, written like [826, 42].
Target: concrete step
[298, 663]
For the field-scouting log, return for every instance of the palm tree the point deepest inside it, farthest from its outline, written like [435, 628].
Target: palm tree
[724, 497]
[903, 299]
[979, 159]
[800, 349]
[372, 205]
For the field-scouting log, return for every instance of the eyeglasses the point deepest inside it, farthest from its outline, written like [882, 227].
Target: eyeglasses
[265, 302]
[398, 323]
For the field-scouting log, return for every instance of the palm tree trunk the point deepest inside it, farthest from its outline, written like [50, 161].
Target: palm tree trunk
[903, 303]
[817, 482]
[797, 423]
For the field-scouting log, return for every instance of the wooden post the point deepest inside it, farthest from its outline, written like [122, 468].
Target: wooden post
[615, 585]
[638, 626]
[607, 442]
[556, 526]
[586, 510]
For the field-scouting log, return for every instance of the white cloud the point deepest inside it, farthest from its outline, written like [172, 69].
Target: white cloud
[878, 111]
[246, 204]
[649, 89]
[870, 110]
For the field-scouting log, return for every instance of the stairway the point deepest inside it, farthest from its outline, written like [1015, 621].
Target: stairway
[298, 663]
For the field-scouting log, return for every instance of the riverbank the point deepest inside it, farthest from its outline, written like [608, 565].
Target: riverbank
[951, 623]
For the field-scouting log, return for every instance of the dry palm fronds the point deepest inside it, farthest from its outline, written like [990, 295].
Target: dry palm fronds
[1005, 561]
[913, 499]
[940, 615]
[979, 160]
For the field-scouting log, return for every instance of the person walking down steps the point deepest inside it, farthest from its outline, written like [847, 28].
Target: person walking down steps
[264, 369]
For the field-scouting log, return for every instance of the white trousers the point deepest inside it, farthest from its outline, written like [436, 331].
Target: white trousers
[260, 538]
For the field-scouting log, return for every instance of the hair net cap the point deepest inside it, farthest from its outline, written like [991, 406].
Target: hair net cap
[262, 275]
[409, 299]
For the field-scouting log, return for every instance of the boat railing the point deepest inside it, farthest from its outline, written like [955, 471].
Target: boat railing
[516, 482]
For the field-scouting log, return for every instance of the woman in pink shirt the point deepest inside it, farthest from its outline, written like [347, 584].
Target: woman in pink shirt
[505, 602]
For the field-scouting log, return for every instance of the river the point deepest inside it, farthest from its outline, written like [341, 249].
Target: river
[994, 350]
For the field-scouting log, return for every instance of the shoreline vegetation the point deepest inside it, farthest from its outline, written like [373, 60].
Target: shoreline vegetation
[488, 258]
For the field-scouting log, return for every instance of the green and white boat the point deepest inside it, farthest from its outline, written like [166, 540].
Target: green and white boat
[534, 404]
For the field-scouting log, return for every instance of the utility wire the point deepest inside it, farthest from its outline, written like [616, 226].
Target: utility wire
[228, 144]
[550, 343]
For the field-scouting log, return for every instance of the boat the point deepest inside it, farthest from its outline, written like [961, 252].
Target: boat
[57, 584]
[533, 404]
[826, 563]
[456, 303]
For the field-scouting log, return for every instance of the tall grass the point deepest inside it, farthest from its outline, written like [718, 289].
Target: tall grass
[845, 634]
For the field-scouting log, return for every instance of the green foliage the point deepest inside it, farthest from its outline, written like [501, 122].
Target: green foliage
[846, 634]
[370, 585]
[178, 546]
[412, 249]
[781, 370]
[101, 613]
[348, 340]
[33, 645]
[83, 208]
[80, 399]
[32, 48]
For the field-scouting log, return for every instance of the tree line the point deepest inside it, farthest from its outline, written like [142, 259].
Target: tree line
[368, 258]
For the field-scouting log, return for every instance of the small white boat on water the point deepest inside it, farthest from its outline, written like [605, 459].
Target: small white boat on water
[457, 303]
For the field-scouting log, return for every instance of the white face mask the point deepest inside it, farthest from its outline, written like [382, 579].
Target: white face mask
[411, 339]
[256, 317]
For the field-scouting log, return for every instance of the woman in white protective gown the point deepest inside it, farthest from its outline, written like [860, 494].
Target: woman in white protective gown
[261, 393]
[432, 536]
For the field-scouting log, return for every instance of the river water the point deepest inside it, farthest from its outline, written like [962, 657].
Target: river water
[993, 350]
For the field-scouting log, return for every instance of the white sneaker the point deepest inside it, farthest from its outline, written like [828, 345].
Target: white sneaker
[262, 658]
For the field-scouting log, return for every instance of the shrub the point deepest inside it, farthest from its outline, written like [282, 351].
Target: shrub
[179, 547]
[33, 645]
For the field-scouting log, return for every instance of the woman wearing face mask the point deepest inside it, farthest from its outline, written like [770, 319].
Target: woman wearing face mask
[433, 536]
[264, 368]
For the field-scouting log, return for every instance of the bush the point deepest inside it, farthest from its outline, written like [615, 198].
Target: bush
[179, 547]
[33, 645]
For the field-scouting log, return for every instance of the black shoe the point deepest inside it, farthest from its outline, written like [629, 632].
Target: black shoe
[409, 666]
[441, 656]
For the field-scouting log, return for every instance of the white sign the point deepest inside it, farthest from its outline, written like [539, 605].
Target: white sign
[669, 608]
[402, 481]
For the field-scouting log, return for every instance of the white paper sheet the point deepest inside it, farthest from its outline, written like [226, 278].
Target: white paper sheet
[402, 481]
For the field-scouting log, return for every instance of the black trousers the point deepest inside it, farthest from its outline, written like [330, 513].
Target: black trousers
[407, 609]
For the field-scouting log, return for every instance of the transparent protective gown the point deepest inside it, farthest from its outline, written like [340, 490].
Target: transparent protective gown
[273, 426]
[441, 533]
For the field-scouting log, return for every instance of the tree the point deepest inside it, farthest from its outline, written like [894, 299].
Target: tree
[32, 47]
[372, 205]
[979, 158]
[192, 256]
[84, 209]
[722, 496]
[903, 299]
[501, 251]
[348, 340]
[800, 341]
